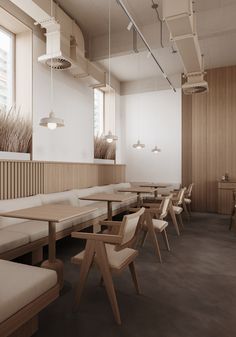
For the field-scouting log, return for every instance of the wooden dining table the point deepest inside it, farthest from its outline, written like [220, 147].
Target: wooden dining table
[109, 198]
[53, 214]
[139, 191]
[155, 186]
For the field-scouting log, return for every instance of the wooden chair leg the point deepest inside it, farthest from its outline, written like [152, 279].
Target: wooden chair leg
[186, 210]
[134, 277]
[189, 209]
[101, 282]
[232, 219]
[174, 220]
[144, 237]
[84, 270]
[165, 238]
[181, 220]
[153, 237]
[101, 259]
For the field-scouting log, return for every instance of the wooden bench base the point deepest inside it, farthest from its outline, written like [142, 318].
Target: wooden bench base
[28, 329]
[24, 322]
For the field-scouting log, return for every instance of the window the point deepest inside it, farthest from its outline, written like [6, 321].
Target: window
[104, 121]
[98, 112]
[6, 69]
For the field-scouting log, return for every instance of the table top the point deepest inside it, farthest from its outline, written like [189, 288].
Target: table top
[138, 189]
[113, 197]
[155, 185]
[52, 212]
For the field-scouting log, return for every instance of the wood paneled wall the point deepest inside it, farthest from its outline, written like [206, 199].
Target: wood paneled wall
[24, 178]
[209, 137]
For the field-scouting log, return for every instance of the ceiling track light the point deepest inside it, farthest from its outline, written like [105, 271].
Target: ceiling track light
[138, 145]
[120, 2]
[156, 150]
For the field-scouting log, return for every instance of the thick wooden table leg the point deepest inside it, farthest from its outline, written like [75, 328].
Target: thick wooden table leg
[156, 193]
[109, 211]
[139, 200]
[52, 262]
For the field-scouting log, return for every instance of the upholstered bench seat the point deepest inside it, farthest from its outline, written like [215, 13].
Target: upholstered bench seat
[34, 229]
[101, 209]
[11, 240]
[15, 233]
[20, 285]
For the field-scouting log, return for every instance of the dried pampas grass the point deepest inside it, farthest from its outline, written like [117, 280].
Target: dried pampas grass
[15, 131]
[103, 149]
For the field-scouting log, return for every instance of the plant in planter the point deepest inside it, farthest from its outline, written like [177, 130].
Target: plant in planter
[103, 149]
[15, 131]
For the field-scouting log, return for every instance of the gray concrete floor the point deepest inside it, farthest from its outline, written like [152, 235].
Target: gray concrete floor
[192, 294]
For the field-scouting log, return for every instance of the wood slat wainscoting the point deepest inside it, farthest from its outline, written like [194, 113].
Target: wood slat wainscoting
[209, 138]
[25, 178]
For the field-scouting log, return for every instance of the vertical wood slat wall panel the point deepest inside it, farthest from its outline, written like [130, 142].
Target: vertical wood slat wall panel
[25, 178]
[212, 140]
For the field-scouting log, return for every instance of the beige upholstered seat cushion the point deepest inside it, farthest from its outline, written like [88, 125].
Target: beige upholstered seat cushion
[34, 229]
[159, 225]
[177, 209]
[10, 240]
[117, 260]
[101, 210]
[187, 201]
[67, 197]
[20, 285]
[14, 204]
[37, 229]
[84, 192]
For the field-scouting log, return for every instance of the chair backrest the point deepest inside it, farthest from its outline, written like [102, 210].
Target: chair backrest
[189, 190]
[181, 196]
[129, 228]
[164, 207]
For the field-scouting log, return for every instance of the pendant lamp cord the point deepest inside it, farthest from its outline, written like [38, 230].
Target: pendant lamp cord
[51, 70]
[109, 56]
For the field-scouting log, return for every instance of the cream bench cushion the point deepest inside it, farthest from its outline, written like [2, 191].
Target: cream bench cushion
[67, 197]
[85, 192]
[10, 240]
[21, 284]
[101, 209]
[14, 204]
[34, 229]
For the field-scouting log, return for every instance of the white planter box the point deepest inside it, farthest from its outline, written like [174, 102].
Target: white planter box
[104, 161]
[14, 155]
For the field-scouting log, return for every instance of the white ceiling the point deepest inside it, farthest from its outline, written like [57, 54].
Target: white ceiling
[138, 66]
[218, 49]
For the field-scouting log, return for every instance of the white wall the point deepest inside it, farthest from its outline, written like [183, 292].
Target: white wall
[73, 101]
[156, 116]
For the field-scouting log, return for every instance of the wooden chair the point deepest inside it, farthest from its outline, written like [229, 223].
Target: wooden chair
[154, 204]
[233, 211]
[179, 205]
[154, 224]
[188, 197]
[112, 253]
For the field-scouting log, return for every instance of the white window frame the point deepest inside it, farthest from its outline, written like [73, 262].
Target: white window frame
[13, 58]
